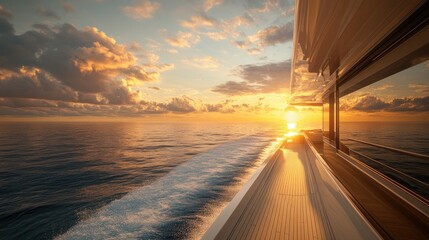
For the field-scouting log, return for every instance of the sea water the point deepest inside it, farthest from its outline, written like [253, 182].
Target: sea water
[139, 180]
[122, 180]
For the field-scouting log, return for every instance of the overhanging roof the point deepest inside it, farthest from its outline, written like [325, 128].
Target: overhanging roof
[332, 38]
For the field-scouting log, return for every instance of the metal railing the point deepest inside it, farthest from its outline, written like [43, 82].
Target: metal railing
[418, 155]
[417, 185]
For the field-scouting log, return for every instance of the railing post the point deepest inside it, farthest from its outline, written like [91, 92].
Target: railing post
[331, 117]
[337, 117]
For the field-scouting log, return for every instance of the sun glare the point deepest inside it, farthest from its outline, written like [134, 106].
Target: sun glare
[291, 126]
[291, 118]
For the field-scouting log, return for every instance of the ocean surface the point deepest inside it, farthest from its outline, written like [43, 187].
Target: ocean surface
[131, 180]
[122, 180]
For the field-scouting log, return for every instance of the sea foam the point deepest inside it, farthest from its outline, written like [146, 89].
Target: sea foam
[142, 212]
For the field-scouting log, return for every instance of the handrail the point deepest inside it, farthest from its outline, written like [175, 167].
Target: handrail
[391, 168]
[418, 155]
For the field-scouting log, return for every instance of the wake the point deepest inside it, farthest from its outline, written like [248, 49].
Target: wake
[142, 212]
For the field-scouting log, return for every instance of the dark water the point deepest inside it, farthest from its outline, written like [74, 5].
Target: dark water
[410, 136]
[121, 180]
[147, 180]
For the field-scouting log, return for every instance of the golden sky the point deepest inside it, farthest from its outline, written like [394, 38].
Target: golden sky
[213, 60]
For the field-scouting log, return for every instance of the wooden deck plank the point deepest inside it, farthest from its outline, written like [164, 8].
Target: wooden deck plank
[286, 206]
[293, 196]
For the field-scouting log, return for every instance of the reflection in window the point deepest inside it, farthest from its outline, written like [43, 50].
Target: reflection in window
[393, 112]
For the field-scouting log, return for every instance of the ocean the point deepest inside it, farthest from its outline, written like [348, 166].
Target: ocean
[122, 180]
[139, 180]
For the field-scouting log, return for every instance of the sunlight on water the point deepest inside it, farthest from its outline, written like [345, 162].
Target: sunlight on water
[173, 176]
[144, 212]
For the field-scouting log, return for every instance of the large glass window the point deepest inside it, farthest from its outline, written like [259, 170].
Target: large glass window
[391, 113]
[326, 119]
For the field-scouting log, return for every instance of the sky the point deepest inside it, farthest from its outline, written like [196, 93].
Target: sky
[174, 60]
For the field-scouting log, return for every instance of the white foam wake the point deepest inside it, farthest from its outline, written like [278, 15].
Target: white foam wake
[143, 210]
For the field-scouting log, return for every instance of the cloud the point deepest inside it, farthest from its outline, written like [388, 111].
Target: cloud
[230, 26]
[216, 36]
[232, 88]
[420, 88]
[68, 7]
[68, 64]
[306, 87]
[5, 13]
[267, 78]
[34, 83]
[48, 13]
[369, 104]
[238, 21]
[218, 29]
[181, 105]
[209, 4]
[270, 36]
[6, 27]
[383, 87]
[207, 62]
[154, 88]
[268, 5]
[275, 34]
[149, 59]
[289, 11]
[199, 21]
[374, 104]
[122, 94]
[143, 9]
[247, 46]
[183, 40]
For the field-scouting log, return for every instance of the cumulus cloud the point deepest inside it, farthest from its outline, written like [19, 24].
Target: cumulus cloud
[68, 64]
[183, 40]
[181, 105]
[207, 62]
[267, 78]
[143, 9]
[34, 83]
[184, 104]
[369, 103]
[48, 13]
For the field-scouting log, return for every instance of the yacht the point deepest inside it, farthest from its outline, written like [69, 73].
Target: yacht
[314, 186]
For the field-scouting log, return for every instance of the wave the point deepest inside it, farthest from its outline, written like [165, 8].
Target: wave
[161, 209]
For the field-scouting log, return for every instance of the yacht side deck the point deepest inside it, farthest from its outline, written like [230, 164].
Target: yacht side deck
[293, 196]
